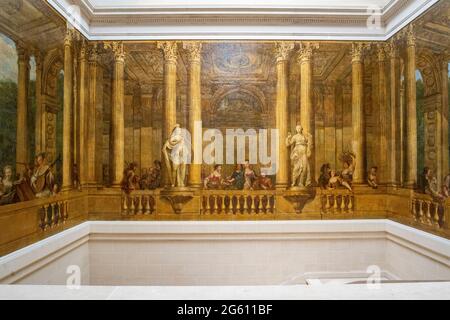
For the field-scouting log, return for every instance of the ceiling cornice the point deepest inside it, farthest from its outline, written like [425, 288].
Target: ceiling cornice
[238, 23]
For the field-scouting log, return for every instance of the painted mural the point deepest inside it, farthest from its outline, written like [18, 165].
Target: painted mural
[240, 85]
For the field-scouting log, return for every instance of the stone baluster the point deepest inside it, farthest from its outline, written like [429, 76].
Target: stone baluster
[436, 215]
[420, 211]
[238, 205]
[327, 202]
[246, 205]
[132, 206]
[139, 206]
[44, 217]
[208, 205]
[414, 209]
[350, 203]
[216, 204]
[224, 207]
[147, 208]
[66, 210]
[428, 212]
[343, 201]
[272, 204]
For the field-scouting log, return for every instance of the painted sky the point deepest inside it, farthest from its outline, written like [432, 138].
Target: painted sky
[8, 61]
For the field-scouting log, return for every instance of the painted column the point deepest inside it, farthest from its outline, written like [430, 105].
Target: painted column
[394, 145]
[306, 96]
[384, 164]
[194, 50]
[411, 115]
[358, 112]
[169, 49]
[39, 128]
[91, 155]
[22, 109]
[117, 114]
[82, 114]
[282, 54]
[442, 165]
[147, 131]
[67, 112]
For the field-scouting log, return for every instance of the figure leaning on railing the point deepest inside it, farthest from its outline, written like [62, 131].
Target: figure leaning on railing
[428, 185]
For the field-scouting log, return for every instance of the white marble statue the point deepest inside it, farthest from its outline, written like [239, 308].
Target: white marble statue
[301, 148]
[175, 153]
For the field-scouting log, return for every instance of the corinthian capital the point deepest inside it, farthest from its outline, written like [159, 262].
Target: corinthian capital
[68, 38]
[283, 50]
[381, 51]
[194, 50]
[306, 51]
[23, 54]
[358, 50]
[392, 49]
[93, 52]
[117, 49]
[410, 36]
[170, 50]
[83, 50]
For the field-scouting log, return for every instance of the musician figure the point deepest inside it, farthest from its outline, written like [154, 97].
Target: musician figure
[42, 180]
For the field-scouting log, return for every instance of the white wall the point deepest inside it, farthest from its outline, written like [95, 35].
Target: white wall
[229, 253]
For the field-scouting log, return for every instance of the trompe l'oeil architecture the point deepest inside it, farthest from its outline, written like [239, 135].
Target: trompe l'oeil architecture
[93, 121]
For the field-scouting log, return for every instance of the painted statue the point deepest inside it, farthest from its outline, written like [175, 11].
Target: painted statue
[175, 152]
[301, 148]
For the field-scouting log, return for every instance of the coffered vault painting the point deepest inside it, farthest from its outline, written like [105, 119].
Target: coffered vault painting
[362, 126]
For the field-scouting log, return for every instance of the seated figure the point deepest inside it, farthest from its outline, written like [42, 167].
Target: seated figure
[7, 187]
[263, 183]
[130, 180]
[324, 178]
[154, 178]
[336, 181]
[372, 178]
[428, 184]
[214, 180]
[236, 180]
[42, 180]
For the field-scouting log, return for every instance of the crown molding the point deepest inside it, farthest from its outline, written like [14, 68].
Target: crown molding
[250, 22]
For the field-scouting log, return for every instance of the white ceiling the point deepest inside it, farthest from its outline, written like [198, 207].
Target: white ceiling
[341, 4]
[239, 19]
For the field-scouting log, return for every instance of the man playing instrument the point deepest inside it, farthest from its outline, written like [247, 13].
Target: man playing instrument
[42, 180]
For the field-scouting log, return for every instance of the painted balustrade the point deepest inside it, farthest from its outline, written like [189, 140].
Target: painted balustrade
[53, 214]
[336, 201]
[138, 203]
[236, 202]
[429, 211]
